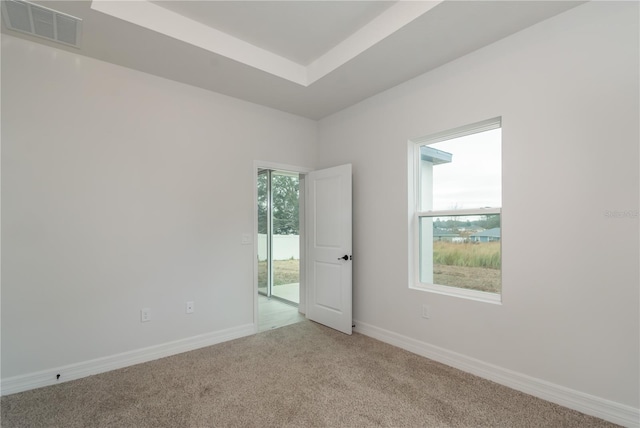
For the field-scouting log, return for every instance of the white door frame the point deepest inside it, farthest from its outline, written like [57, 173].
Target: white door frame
[280, 167]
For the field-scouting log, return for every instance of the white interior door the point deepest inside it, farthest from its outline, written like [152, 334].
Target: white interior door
[329, 265]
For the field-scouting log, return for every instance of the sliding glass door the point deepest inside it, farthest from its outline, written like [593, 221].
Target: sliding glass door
[279, 235]
[264, 232]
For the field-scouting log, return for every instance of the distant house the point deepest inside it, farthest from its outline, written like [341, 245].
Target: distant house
[489, 235]
[444, 235]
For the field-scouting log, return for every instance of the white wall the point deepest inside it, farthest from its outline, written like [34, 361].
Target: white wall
[121, 190]
[567, 91]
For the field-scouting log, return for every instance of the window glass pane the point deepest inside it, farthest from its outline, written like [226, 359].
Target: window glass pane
[461, 251]
[462, 173]
[286, 236]
[263, 231]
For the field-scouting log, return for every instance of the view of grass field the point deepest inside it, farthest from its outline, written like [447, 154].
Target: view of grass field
[284, 272]
[474, 266]
[469, 254]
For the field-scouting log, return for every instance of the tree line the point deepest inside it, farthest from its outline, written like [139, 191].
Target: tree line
[486, 222]
[286, 209]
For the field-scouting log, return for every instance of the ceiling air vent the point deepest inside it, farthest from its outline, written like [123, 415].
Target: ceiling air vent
[42, 22]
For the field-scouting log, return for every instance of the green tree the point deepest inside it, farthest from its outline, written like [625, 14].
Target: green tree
[262, 204]
[490, 221]
[286, 191]
[285, 210]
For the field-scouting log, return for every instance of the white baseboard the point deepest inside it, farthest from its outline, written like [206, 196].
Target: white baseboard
[100, 365]
[591, 405]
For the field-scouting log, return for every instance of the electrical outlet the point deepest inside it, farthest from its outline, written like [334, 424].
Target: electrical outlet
[145, 314]
[191, 307]
[426, 312]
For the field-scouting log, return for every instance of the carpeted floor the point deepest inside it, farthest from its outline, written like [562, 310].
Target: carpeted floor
[302, 375]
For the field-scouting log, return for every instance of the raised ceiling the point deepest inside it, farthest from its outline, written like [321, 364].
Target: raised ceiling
[300, 31]
[310, 58]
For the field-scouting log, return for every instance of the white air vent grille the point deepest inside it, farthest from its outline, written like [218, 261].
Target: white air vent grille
[41, 21]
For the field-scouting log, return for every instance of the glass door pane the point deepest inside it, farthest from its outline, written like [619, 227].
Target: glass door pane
[263, 233]
[285, 242]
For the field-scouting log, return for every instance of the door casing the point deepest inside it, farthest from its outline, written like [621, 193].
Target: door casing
[257, 165]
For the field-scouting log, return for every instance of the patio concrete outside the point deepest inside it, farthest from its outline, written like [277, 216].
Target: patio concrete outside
[290, 292]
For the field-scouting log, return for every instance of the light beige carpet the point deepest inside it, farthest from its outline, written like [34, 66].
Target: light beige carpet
[302, 375]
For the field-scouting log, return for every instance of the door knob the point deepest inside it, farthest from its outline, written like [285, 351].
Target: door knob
[345, 257]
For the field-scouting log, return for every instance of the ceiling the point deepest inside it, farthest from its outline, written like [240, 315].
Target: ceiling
[300, 31]
[310, 58]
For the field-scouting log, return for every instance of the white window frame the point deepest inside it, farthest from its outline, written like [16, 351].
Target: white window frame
[415, 214]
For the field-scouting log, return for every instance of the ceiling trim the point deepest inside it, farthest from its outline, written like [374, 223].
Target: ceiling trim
[387, 23]
[164, 21]
[156, 18]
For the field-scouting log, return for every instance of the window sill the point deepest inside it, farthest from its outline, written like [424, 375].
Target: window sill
[479, 296]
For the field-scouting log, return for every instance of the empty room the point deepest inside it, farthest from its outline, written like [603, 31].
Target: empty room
[320, 213]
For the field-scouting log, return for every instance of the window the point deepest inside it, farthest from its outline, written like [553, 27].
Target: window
[455, 211]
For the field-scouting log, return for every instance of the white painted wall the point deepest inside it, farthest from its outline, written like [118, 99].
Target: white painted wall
[122, 190]
[567, 91]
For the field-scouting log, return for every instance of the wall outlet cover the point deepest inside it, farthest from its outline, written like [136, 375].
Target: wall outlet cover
[426, 311]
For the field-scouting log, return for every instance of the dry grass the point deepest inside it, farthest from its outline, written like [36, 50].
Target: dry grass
[472, 278]
[479, 254]
[284, 272]
[474, 266]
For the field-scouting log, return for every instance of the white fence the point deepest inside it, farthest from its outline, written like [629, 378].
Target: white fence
[284, 247]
